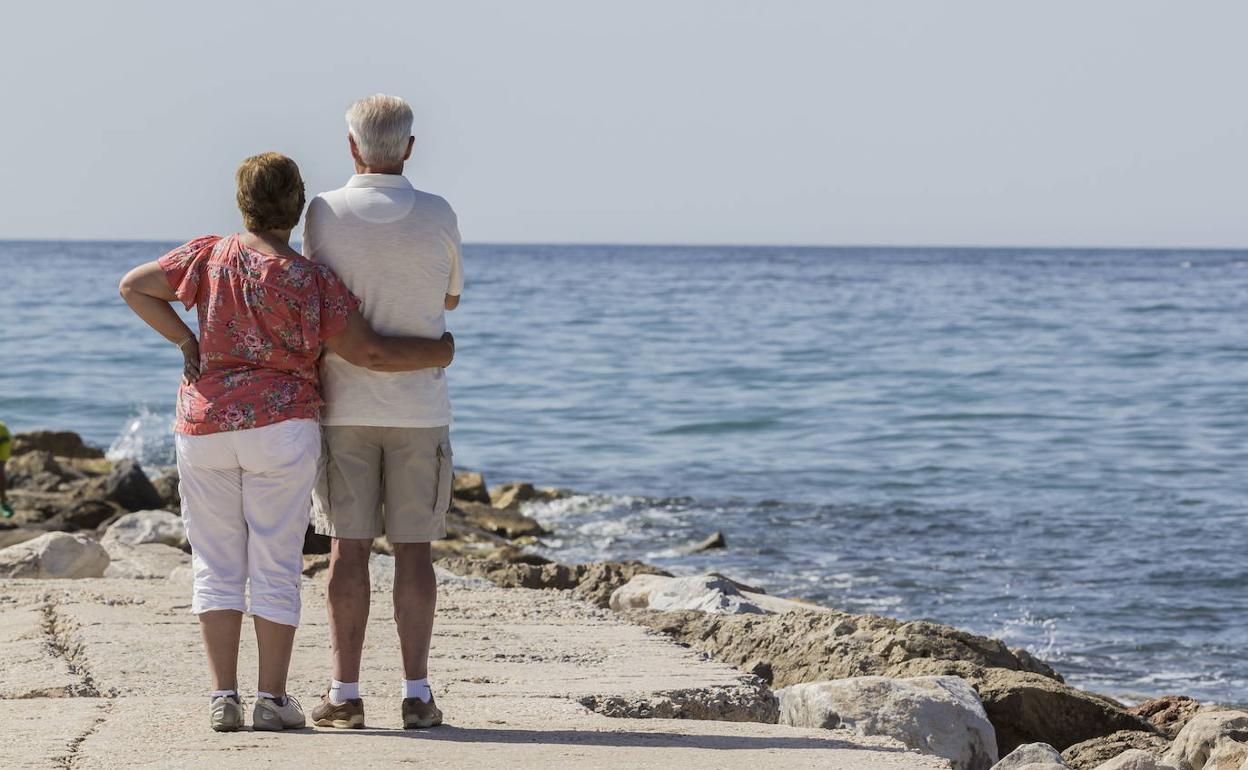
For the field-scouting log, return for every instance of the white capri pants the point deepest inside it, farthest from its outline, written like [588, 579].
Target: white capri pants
[246, 504]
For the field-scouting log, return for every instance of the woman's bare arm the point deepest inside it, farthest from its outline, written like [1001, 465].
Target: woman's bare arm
[362, 346]
[148, 293]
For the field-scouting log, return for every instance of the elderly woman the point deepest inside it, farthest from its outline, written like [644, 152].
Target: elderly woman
[247, 432]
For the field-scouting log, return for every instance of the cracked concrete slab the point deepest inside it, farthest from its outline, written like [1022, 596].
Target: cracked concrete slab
[509, 667]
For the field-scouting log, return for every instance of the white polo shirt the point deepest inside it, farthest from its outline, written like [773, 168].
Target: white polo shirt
[397, 249]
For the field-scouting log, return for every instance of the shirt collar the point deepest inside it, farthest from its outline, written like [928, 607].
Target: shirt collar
[380, 180]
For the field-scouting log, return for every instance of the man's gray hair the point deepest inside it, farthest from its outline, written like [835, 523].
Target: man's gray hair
[381, 126]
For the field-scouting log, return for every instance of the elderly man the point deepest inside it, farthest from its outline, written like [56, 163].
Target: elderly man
[387, 454]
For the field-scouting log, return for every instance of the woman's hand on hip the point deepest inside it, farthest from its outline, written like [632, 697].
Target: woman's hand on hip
[190, 360]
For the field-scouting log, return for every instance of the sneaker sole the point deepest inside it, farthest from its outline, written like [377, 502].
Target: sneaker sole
[272, 728]
[354, 723]
[421, 724]
[223, 728]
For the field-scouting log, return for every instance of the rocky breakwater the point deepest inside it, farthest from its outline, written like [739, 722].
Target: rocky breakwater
[970, 699]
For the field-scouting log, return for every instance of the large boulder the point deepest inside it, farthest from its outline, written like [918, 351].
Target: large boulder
[702, 593]
[54, 555]
[1094, 752]
[470, 486]
[128, 486]
[1168, 713]
[1202, 734]
[1030, 754]
[938, 715]
[147, 561]
[1026, 707]
[147, 527]
[59, 443]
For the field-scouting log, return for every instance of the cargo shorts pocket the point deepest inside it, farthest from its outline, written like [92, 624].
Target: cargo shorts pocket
[446, 478]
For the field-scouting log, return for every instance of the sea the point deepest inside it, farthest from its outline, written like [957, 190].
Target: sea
[1049, 446]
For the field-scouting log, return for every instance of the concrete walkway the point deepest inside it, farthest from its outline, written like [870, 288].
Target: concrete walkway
[108, 673]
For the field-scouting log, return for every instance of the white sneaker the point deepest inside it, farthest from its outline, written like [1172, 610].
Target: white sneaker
[225, 713]
[269, 715]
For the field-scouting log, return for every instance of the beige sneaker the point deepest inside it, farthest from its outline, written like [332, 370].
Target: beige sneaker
[225, 713]
[270, 715]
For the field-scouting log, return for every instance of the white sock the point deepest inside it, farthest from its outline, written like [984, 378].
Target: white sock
[341, 692]
[279, 701]
[417, 688]
[223, 693]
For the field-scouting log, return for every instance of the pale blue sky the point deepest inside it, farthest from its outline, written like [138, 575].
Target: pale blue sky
[1115, 122]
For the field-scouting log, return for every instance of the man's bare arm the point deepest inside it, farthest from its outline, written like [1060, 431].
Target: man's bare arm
[452, 301]
[362, 346]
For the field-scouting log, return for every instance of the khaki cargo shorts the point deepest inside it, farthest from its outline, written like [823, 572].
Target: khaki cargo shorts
[383, 481]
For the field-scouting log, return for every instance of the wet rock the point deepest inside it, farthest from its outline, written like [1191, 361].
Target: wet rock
[712, 541]
[506, 523]
[1135, 759]
[598, 580]
[146, 561]
[1168, 713]
[512, 494]
[143, 527]
[470, 486]
[751, 701]
[54, 555]
[1094, 752]
[129, 487]
[59, 443]
[1197, 740]
[1030, 754]
[938, 715]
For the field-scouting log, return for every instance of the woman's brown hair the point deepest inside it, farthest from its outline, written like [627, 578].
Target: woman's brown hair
[270, 192]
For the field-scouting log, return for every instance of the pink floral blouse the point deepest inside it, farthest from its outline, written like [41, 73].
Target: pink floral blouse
[262, 319]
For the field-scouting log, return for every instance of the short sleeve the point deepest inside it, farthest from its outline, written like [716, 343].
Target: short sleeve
[337, 302]
[184, 266]
[455, 286]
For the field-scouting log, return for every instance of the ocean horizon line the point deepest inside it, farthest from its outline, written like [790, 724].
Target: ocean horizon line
[738, 245]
